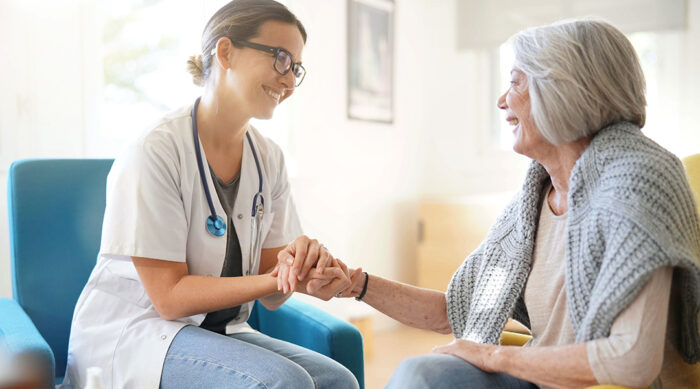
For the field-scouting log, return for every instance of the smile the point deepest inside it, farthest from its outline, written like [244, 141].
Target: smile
[274, 95]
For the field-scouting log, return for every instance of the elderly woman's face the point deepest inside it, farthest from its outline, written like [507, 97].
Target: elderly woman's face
[516, 103]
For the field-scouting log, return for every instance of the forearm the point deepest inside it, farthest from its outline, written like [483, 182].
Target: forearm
[275, 300]
[554, 366]
[411, 305]
[199, 294]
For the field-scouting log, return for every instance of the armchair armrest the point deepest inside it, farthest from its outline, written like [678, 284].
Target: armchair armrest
[307, 326]
[21, 343]
[509, 338]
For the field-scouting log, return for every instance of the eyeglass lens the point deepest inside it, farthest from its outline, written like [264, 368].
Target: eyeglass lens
[283, 63]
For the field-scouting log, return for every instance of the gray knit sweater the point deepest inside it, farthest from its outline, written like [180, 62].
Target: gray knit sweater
[631, 211]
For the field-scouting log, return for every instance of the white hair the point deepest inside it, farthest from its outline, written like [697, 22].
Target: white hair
[582, 76]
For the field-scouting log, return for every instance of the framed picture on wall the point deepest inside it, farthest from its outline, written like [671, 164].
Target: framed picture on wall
[371, 60]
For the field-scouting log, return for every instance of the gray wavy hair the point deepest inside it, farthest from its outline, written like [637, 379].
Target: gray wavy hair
[582, 75]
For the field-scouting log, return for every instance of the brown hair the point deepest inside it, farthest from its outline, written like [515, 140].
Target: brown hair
[237, 20]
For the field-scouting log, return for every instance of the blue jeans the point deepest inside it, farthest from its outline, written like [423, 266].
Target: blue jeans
[199, 358]
[436, 371]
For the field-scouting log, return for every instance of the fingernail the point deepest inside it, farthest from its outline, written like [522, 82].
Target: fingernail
[289, 260]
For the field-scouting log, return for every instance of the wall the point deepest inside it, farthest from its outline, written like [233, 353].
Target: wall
[357, 183]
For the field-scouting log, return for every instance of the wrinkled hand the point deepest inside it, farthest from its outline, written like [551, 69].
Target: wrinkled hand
[357, 282]
[328, 283]
[479, 355]
[297, 259]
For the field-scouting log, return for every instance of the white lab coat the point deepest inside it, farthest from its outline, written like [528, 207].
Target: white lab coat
[156, 208]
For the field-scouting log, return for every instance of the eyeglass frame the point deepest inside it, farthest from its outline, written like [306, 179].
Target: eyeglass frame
[275, 53]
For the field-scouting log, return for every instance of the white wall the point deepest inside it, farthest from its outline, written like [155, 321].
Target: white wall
[357, 183]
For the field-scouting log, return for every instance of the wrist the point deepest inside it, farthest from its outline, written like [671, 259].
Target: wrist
[363, 291]
[500, 357]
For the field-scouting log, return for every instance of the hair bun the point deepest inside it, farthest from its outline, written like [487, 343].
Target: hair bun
[196, 69]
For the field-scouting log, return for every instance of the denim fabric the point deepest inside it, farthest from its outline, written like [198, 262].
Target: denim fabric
[438, 371]
[199, 358]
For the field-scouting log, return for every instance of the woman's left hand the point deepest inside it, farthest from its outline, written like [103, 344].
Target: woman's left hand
[479, 355]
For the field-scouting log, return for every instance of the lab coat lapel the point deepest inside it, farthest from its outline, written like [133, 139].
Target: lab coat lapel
[248, 187]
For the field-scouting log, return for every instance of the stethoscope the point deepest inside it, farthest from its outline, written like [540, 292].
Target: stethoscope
[215, 224]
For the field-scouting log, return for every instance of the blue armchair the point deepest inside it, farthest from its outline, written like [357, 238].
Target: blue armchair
[55, 209]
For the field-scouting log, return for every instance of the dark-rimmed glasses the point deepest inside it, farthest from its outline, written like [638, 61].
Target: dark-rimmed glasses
[283, 60]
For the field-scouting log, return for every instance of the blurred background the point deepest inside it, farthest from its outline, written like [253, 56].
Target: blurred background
[400, 171]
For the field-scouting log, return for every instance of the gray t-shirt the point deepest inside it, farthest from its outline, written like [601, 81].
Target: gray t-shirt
[233, 266]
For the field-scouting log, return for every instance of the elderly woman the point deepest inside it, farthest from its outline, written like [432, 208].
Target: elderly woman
[597, 254]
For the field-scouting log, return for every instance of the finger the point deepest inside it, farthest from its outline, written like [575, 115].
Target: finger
[324, 259]
[344, 267]
[311, 258]
[315, 285]
[285, 257]
[291, 279]
[301, 247]
[284, 274]
[340, 282]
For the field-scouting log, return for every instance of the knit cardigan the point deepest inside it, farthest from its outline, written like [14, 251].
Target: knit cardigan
[631, 212]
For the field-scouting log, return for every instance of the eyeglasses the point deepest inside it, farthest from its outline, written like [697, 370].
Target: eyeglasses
[283, 60]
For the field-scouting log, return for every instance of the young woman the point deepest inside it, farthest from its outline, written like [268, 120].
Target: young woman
[198, 212]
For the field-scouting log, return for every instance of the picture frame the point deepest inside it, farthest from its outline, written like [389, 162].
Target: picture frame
[370, 60]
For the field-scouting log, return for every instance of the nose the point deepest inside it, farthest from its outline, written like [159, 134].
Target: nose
[501, 103]
[288, 80]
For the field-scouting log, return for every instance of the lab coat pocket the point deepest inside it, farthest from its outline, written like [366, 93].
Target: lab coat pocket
[120, 281]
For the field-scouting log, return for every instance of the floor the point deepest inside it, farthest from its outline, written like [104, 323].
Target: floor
[393, 346]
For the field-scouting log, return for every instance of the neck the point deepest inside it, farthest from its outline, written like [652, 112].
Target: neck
[559, 162]
[219, 127]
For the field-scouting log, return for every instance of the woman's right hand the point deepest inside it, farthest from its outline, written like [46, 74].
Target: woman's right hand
[297, 259]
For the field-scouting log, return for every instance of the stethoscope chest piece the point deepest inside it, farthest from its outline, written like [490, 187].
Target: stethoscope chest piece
[216, 227]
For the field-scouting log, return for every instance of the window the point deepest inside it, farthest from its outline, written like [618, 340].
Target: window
[144, 49]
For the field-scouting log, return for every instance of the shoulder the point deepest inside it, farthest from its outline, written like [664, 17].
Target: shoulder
[270, 154]
[623, 147]
[162, 145]
[625, 166]
[266, 147]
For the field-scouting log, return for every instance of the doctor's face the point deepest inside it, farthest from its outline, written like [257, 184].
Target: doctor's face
[516, 103]
[258, 87]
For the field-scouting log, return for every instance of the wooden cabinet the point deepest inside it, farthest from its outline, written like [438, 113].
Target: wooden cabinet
[449, 230]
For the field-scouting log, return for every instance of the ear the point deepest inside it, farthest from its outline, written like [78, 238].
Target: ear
[225, 52]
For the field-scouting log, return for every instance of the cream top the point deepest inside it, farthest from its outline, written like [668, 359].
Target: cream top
[636, 349]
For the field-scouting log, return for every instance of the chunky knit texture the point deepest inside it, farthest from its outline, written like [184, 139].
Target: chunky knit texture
[631, 211]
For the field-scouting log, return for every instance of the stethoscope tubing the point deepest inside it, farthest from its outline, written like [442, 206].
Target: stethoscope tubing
[214, 219]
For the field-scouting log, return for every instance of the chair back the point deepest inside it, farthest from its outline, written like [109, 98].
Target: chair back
[692, 169]
[55, 208]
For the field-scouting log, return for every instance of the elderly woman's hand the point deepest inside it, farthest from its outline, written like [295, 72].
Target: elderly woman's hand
[329, 282]
[480, 355]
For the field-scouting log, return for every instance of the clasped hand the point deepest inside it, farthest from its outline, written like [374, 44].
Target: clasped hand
[307, 266]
